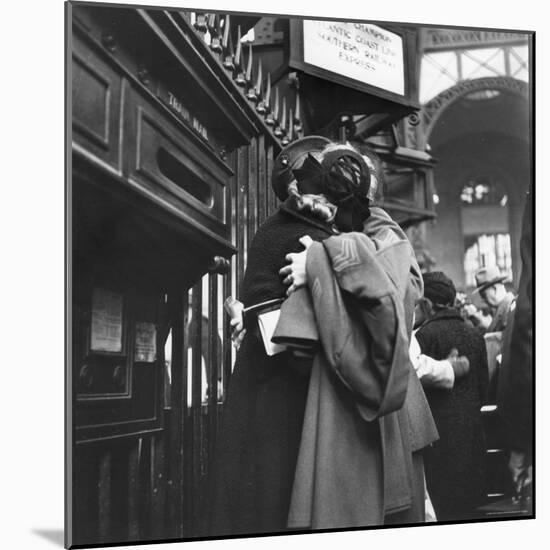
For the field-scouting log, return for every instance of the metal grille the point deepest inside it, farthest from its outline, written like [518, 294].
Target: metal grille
[202, 356]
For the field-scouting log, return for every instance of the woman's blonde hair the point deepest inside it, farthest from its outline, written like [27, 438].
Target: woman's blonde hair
[316, 205]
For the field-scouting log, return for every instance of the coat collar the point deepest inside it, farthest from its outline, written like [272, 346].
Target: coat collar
[500, 315]
[447, 313]
[288, 208]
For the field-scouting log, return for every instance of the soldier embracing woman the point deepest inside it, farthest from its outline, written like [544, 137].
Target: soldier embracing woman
[331, 437]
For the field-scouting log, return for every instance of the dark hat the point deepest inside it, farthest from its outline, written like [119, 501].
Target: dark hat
[343, 177]
[438, 288]
[377, 183]
[488, 276]
[291, 158]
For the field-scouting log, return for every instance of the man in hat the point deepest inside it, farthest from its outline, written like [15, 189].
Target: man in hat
[490, 285]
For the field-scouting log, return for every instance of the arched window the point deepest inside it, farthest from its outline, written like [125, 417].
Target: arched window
[485, 227]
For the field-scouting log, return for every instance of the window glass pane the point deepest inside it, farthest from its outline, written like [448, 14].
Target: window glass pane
[471, 263]
[438, 72]
[519, 57]
[482, 62]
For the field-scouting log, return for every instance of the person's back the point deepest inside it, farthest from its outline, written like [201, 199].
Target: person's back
[455, 465]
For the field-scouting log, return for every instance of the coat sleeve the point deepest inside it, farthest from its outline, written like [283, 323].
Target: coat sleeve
[386, 378]
[416, 281]
[381, 228]
[361, 323]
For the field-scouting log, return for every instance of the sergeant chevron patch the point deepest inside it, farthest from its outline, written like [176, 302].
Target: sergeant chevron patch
[316, 289]
[348, 255]
[387, 238]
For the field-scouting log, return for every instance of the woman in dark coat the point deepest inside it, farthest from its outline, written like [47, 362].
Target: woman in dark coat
[455, 465]
[264, 412]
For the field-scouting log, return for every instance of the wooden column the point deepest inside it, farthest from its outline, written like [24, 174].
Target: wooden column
[104, 496]
[177, 300]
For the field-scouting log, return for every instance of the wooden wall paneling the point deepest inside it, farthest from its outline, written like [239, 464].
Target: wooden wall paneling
[201, 504]
[186, 420]
[177, 300]
[158, 478]
[134, 531]
[208, 409]
[145, 488]
[185, 449]
[174, 476]
[230, 287]
[262, 183]
[270, 196]
[226, 341]
[156, 444]
[86, 506]
[96, 105]
[242, 214]
[85, 496]
[104, 495]
[215, 362]
[252, 182]
[119, 490]
[196, 400]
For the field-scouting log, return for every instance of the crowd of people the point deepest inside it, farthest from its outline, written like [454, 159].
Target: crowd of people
[359, 402]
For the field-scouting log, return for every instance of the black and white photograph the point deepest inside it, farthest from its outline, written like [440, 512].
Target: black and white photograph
[300, 274]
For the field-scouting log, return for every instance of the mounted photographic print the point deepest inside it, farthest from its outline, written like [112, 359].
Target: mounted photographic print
[299, 290]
